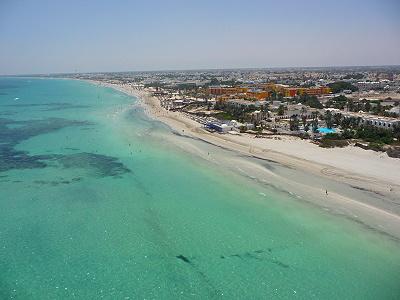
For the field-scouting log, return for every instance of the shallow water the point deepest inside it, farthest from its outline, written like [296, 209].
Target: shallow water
[96, 204]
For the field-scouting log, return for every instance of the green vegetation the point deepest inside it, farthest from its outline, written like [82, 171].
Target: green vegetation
[376, 146]
[337, 102]
[186, 86]
[281, 110]
[311, 101]
[224, 116]
[374, 107]
[328, 119]
[331, 143]
[376, 137]
[314, 126]
[155, 84]
[340, 86]
[233, 112]
[294, 123]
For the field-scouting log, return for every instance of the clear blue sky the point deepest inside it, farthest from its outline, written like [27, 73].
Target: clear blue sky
[65, 36]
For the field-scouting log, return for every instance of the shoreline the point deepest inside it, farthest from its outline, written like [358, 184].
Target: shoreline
[372, 201]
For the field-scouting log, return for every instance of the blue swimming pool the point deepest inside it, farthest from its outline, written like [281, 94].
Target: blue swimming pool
[326, 130]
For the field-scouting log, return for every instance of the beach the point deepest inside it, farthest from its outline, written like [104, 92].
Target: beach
[359, 184]
[105, 195]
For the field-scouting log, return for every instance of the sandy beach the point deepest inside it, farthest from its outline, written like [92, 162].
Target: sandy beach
[362, 185]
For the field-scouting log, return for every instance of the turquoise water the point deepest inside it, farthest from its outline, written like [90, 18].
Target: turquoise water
[95, 203]
[326, 130]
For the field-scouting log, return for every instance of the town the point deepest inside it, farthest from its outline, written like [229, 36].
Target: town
[333, 107]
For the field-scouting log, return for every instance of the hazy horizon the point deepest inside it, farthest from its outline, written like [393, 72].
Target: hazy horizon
[208, 69]
[44, 37]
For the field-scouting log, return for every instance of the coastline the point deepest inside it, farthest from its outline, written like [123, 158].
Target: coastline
[362, 184]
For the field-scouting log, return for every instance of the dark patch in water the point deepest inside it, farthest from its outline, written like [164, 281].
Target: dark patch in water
[19, 131]
[11, 159]
[99, 165]
[52, 182]
[251, 256]
[86, 128]
[23, 130]
[183, 258]
[280, 264]
[13, 132]
[52, 106]
[8, 86]
[213, 289]
[259, 255]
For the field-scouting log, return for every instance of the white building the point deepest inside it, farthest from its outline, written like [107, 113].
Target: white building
[377, 121]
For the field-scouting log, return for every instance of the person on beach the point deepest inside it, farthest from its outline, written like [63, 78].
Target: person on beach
[326, 192]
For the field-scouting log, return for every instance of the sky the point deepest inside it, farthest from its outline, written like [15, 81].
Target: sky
[58, 36]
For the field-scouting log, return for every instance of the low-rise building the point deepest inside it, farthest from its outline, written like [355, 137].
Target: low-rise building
[395, 110]
[381, 122]
[245, 103]
[258, 116]
[298, 110]
[225, 127]
[219, 127]
[368, 119]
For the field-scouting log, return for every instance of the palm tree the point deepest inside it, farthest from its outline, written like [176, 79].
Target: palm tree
[328, 119]
[315, 125]
[304, 120]
[294, 123]
[337, 118]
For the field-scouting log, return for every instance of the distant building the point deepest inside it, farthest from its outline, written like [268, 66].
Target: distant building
[288, 91]
[258, 116]
[368, 85]
[225, 127]
[298, 111]
[245, 103]
[275, 104]
[221, 90]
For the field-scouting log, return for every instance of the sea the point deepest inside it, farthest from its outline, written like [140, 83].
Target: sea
[97, 201]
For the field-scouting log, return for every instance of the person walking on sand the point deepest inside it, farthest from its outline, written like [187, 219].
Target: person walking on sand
[326, 192]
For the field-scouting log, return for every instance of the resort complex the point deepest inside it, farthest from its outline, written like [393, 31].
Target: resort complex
[332, 107]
